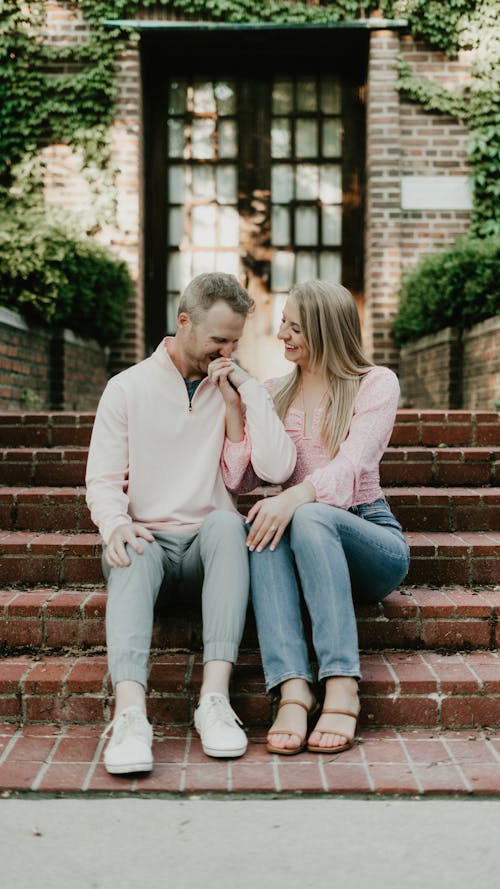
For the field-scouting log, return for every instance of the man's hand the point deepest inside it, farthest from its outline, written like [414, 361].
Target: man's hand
[116, 554]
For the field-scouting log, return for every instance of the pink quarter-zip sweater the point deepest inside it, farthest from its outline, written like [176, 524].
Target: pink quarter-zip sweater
[156, 459]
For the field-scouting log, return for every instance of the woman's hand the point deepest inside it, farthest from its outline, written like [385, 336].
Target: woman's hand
[270, 517]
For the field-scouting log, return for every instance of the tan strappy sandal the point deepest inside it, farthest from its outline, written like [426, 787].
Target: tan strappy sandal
[313, 748]
[291, 751]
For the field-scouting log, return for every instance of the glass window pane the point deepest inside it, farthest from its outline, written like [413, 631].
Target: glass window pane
[306, 267]
[175, 137]
[332, 138]
[279, 300]
[228, 138]
[204, 261]
[177, 97]
[203, 132]
[282, 102]
[177, 186]
[307, 181]
[227, 262]
[227, 184]
[330, 95]
[203, 98]
[175, 225]
[178, 271]
[203, 226]
[282, 269]
[332, 224]
[306, 225]
[225, 96]
[229, 227]
[330, 267]
[281, 183]
[306, 137]
[280, 138]
[203, 182]
[306, 95]
[172, 305]
[330, 187]
[280, 226]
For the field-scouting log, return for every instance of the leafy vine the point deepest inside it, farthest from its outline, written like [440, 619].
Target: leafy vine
[67, 93]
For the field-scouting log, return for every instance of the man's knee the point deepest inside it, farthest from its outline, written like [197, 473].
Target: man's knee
[224, 525]
[149, 559]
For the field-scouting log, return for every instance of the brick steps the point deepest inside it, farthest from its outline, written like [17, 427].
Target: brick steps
[414, 465]
[417, 689]
[50, 620]
[68, 759]
[430, 659]
[437, 509]
[30, 557]
[412, 427]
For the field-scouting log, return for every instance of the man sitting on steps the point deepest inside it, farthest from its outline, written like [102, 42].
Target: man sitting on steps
[168, 435]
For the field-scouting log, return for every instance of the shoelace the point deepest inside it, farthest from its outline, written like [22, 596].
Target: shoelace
[220, 709]
[122, 722]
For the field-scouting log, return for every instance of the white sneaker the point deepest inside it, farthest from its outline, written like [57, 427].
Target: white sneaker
[219, 727]
[129, 748]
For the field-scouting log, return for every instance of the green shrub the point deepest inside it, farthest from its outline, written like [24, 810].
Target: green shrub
[53, 277]
[457, 288]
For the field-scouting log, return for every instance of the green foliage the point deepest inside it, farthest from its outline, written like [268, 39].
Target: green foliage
[68, 93]
[53, 277]
[456, 288]
[478, 104]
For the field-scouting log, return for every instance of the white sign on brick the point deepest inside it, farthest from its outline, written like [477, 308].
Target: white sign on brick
[436, 193]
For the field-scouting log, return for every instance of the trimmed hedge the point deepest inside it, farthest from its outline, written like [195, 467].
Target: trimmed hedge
[457, 288]
[52, 277]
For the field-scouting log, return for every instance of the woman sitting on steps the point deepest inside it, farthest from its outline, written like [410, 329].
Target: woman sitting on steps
[331, 527]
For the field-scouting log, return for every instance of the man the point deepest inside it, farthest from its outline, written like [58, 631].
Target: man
[169, 432]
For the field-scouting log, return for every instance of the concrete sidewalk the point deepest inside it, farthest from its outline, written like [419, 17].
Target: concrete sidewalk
[248, 844]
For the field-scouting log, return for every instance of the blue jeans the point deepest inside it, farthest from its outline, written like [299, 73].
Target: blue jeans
[340, 557]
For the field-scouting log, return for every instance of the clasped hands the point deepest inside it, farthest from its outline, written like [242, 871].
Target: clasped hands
[228, 376]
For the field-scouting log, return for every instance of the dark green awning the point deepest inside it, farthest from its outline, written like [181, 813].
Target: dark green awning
[371, 24]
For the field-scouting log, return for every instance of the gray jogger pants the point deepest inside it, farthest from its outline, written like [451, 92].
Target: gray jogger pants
[214, 560]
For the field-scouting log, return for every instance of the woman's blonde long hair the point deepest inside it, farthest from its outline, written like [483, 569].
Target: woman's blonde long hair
[330, 325]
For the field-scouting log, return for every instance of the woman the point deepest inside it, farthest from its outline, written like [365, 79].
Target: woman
[331, 526]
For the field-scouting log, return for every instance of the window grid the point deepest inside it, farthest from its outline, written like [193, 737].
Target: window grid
[306, 235]
[202, 186]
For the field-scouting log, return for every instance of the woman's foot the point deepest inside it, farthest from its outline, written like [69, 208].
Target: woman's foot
[337, 730]
[289, 729]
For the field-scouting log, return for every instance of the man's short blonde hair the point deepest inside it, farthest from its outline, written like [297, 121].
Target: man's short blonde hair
[211, 287]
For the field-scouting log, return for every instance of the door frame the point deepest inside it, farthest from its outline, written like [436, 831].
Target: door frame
[198, 51]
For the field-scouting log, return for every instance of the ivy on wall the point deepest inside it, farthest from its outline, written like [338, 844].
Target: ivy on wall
[67, 94]
[476, 27]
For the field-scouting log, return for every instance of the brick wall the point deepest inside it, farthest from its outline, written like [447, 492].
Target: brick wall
[429, 371]
[111, 209]
[24, 359]
[46, 369]
[481, 361]
[432, 145]
[451, 369]
[402, 141]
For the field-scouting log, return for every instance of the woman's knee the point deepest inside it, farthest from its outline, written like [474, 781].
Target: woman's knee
[308, 518]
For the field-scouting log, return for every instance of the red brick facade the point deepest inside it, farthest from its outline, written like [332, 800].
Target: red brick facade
[451, 369]
[402, 141]
[44, 369]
